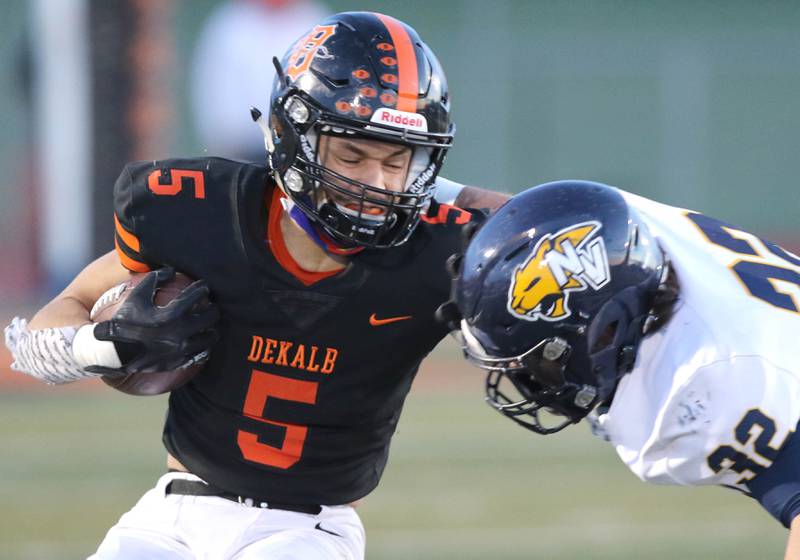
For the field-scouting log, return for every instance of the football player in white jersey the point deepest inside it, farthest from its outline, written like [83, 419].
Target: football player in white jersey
[674, 333]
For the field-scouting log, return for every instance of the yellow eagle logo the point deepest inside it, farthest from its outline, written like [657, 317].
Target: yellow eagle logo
[568, 261]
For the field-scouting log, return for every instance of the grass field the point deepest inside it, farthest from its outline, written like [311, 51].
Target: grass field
[462, 483]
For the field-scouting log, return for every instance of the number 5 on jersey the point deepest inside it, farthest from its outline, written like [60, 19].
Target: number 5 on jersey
[264, 386]
[169, 182]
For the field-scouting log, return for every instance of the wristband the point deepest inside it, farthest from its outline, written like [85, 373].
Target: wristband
[88, 351]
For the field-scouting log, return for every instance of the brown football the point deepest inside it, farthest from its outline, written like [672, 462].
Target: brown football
[144, 384]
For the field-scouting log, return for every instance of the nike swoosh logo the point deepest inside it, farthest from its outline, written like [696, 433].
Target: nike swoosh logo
[375, 322]
[319, 526]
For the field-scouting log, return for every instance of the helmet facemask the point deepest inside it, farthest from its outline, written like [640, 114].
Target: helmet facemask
[363, 212]
[566, 376]
[532, 388]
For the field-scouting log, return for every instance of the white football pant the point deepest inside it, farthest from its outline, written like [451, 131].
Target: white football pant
[173, 526]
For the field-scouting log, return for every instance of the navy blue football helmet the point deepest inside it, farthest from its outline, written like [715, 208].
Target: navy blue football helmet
[553, 295]
[368, 76]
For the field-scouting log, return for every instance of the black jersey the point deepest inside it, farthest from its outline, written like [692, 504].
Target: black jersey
[303, 391]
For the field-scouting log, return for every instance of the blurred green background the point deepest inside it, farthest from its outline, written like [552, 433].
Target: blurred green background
[691, 102]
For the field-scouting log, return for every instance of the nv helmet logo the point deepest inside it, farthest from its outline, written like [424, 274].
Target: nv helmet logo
[307, 48]
[571, 260]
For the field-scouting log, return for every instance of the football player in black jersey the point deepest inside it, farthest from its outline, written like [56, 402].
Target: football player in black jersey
[318, 265]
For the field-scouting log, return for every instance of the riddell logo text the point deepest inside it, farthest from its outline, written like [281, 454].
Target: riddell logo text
[265, 350]
[423, 179]
[408, 122]
[400, 119]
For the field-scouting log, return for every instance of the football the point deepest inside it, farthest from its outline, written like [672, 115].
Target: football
[144, 384]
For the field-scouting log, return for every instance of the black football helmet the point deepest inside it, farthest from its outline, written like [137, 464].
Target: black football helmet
[367, 76]
[553, 295]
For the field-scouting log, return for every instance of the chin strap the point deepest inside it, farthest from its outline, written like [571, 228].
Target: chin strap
[316, 234]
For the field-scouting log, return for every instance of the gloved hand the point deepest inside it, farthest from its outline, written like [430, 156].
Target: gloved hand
[152, 338]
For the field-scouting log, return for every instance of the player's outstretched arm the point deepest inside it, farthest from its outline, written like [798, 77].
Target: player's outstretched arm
[464, 196]
[793, 545]
[475, 197]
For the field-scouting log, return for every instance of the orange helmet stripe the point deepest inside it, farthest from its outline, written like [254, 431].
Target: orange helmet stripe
[408, 88]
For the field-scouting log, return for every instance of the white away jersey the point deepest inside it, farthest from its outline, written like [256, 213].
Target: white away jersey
[715, 392]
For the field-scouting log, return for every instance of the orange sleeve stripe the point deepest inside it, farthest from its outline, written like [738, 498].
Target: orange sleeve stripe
[128, 238]
[127, 262]
[408, 88]
[445, 211]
